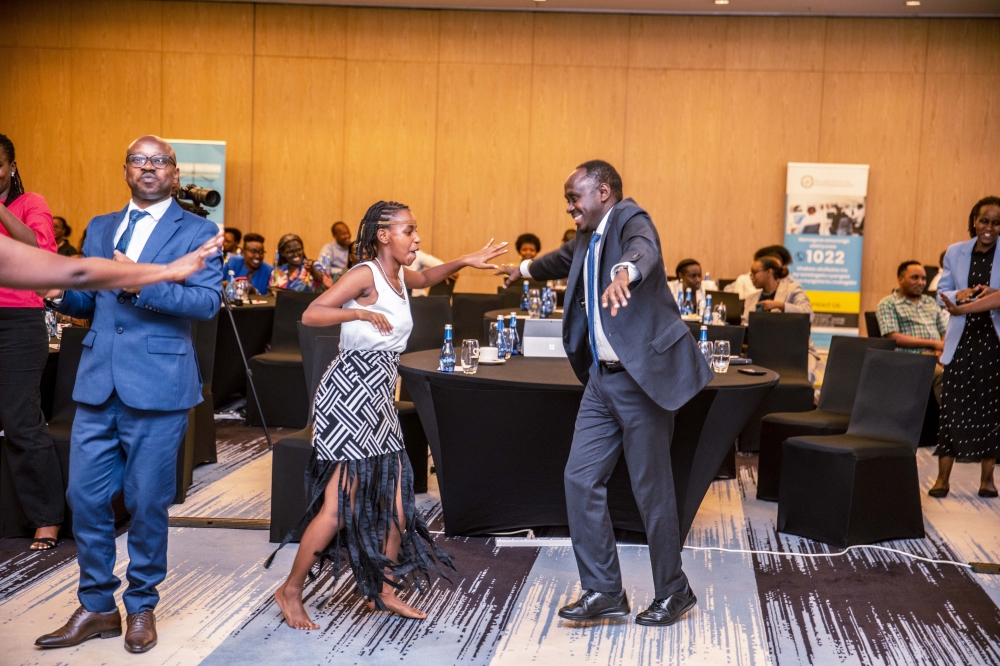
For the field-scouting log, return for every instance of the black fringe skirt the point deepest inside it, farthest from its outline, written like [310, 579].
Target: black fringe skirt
[368, 523]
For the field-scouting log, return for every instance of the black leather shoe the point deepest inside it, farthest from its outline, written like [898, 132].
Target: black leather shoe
[597, 605]
[664, 612]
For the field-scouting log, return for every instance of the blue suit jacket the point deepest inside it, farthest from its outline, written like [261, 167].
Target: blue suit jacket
[141, 345]
[954, 278]
[649, 336]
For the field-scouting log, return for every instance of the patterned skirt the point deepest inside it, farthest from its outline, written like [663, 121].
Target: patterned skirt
[358, 444]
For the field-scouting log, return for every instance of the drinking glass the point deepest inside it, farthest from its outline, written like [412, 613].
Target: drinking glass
[470, 356]
[494, 338]
[534, 304]
[719, 314]
[508, 337]
[720, 356]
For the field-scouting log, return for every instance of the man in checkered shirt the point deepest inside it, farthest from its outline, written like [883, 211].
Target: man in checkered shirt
[912, 319]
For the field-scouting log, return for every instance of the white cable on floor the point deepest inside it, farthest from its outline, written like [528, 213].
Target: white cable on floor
[843, 552]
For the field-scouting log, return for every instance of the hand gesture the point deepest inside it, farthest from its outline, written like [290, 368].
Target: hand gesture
[971, 293]
[192, 262]
[953, 309]
[123, 258]
[617, 294]
[478, 259]
[377, 320]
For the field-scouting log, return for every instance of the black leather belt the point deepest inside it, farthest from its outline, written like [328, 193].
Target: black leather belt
[611, 366]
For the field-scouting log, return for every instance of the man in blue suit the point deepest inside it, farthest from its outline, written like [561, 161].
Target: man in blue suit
[137, 379]
[629, 346]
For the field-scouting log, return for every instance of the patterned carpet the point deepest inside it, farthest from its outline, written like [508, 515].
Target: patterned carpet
[499, 607]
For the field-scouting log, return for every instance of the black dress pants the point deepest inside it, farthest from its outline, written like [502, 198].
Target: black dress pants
[34, 465]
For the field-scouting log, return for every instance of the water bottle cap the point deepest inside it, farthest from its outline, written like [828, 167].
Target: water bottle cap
[447, 327]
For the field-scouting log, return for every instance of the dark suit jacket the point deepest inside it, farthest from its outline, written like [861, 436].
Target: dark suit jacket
[649, 336]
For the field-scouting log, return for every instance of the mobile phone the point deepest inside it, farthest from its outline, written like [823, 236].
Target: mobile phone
[750, 371]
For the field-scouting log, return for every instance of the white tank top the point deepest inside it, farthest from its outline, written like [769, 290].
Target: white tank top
[362, 334]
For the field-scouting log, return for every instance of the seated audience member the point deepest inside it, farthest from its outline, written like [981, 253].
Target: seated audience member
[912, 319]
[688, 276]
[293, 271]
[338, 251]
[528, 246]
[62, 231]
[250, 264]
[230, 243]
[422, 263]
[568, 235]
[937, 276]
[743, 285]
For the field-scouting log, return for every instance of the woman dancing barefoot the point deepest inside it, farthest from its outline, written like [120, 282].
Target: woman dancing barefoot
[359, 478]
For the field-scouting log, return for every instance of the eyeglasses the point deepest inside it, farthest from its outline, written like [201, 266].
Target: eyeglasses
[158, 161]
[254, 251]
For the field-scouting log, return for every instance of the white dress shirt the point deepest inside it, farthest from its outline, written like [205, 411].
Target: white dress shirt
[605, 352]
[143, 227]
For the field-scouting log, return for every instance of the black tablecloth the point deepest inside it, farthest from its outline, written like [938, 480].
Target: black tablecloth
[500, 441]
[522, 315]
[254, 323]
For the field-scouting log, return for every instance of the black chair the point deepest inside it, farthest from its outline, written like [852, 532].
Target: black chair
[511, 298]
[862, 486]
[443, 288]
[871, 323]
[467, 312]
[734, 334]
[836, 399]
[931, 271]
[779, 342]
[199, 439]
[277, 373]
[722, 284]
[734, 305]
[291, 454]
[430, 315]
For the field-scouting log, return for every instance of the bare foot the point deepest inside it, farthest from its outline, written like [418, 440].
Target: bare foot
[293, 610]
[48, 532]
[395, 605]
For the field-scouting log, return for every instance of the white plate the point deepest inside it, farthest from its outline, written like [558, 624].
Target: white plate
[497, 362]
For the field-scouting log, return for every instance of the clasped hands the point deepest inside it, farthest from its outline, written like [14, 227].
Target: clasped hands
[615, 296]
[964, 296]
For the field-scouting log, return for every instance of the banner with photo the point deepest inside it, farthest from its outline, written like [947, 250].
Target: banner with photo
[203, 164]
[825, 206]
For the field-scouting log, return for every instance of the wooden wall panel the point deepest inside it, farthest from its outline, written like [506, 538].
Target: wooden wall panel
[581, 40]
[489, 37]
[44, 23]
[219, 112]
[565, 133]
[115, 99]
[390, 121]
[309, 32]
[208, 27]
[38, 122]
[964, 46]
[960, 141]
[677, 42]
[298, 148]
[876, 45]
[775, 43]
[874, 119]
[387, 34]
[480, 183]
[770, 119]
[117, 25]
[673, 133]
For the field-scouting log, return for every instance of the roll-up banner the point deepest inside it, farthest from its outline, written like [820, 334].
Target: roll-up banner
[203, 164]
[825, 206]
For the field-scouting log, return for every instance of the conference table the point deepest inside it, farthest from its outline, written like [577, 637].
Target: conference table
[500, 440]
[254, 322]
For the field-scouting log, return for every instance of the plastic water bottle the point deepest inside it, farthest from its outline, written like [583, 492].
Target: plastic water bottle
[515, 340]
[502, 350]
[706, 315]
[548, 300]
[231, 288]
[690, 304]
[680, 302]
[525, 300]
[446, 361]
[704, 346]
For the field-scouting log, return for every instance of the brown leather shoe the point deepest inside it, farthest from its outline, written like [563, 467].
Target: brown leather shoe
[140, 636]
[82, 626]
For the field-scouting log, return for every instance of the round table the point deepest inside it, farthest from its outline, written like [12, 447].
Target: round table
[522, 316]
[500, 440]
[254, 322]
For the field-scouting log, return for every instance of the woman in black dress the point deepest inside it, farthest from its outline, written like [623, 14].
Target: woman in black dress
[970, 396]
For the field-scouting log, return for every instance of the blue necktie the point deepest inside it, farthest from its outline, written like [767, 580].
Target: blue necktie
[133, 217]
[592, 300]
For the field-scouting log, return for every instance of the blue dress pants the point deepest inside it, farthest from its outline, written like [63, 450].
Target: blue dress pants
[115, 448]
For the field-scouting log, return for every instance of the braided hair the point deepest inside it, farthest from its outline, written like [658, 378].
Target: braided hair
[16, 186]
[985, 201]
[377, 216]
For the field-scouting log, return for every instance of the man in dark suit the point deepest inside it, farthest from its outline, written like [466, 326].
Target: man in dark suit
[639, 364]
[137, 379]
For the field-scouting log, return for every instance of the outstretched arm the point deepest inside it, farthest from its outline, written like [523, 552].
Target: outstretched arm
[26, 267]
[982, 304]
[431, 276]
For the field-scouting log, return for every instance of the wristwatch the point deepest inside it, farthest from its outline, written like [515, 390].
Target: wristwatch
[54, 302]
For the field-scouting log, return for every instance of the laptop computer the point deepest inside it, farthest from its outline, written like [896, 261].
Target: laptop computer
[543, 337]
[733, 303]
